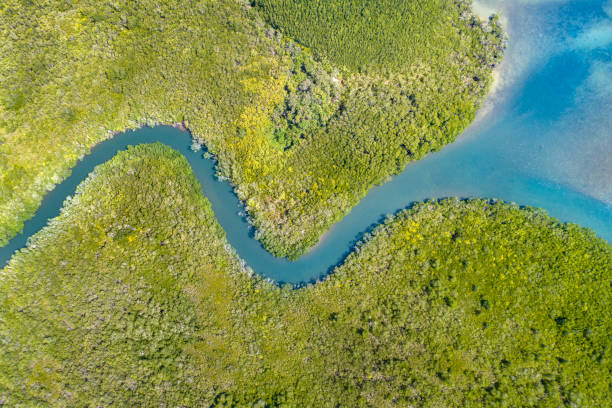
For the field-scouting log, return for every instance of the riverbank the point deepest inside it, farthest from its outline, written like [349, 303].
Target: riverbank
[273, 118]
[156, 293]
[415, 184]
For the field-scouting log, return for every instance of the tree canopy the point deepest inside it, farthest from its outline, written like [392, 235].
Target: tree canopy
[302, 133]
[133, 297]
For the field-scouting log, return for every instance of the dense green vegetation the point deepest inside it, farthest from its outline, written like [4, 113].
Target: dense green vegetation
[302, 137]
[132, 297]
[376, 35]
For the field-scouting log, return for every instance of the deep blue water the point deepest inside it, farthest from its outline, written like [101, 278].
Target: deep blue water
[543, 139]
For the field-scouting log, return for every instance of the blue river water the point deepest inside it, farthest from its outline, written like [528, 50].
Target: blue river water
[542, 139]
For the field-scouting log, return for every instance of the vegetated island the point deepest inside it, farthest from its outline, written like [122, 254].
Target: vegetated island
[133, 297]
[306, 104]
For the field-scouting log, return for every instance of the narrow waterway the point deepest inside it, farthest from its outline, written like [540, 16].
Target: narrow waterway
[543, 139]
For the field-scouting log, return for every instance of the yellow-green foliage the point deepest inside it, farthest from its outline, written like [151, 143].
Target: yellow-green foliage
[73, 73]
[300, 139]
[132, 297]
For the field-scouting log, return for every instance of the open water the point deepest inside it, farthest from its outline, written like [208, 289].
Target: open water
[542, 139]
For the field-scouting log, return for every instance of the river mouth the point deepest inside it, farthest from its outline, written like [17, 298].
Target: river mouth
[531, 144]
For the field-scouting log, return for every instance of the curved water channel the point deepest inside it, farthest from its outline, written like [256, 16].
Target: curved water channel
[542, 139]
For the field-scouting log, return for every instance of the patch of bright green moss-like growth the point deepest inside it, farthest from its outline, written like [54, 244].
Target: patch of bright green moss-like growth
[132, 297]
[301, 138]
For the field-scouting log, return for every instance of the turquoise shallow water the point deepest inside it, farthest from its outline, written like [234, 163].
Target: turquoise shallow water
[543, 139]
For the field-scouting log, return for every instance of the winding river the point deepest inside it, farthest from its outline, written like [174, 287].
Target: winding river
[543, 139]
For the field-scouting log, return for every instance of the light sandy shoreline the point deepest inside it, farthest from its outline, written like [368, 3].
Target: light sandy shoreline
[483, 10]
[322, 239]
